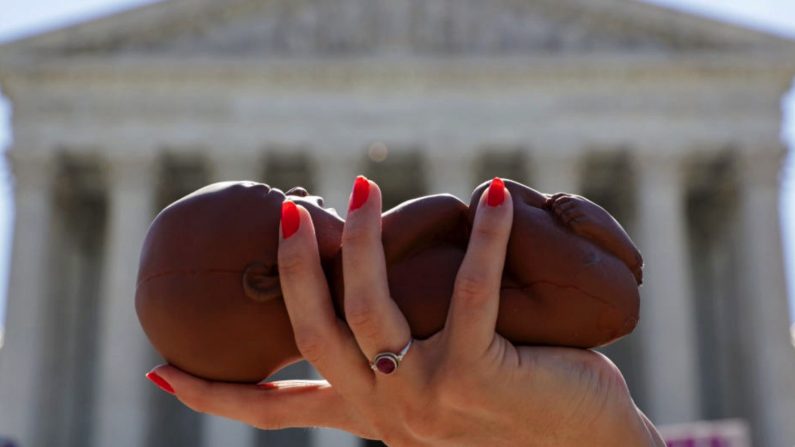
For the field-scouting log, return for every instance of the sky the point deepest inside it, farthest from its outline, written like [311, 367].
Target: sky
[19, 18]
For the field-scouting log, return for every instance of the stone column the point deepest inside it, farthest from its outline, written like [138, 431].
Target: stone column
[227, 165]
[452, 172]
[124, 353]
[218, 431]
[335, 174]
[769, 355]
[667, 334]
[555, 171]
[22, 355]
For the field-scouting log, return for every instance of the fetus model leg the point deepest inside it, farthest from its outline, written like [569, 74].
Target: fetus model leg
[570, 288]
[591, 221]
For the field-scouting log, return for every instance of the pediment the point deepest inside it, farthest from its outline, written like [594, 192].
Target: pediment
[279, 28]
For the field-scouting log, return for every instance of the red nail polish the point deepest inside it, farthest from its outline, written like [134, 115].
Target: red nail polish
[160, 382]
[290, 218]
[496, 192]
[361, 190]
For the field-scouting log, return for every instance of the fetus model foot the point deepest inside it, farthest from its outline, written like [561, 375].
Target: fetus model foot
[591, 221]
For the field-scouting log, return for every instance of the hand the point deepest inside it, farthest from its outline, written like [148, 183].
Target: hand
[464, 386]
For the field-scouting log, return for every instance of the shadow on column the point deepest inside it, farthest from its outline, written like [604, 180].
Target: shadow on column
[78, 228]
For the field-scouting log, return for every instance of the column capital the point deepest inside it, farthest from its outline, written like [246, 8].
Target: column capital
[556, 171]
[465, 154]
[658, 167]
[338, 158]
[236, 165]
[130, 158]
[130, 168]
[555, 155]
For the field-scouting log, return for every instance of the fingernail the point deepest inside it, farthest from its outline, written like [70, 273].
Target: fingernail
[267, 386]
[160, 382]
[361, 190]
[496, 192]
[290, 218]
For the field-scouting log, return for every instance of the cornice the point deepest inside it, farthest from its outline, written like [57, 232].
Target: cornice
[378, 72]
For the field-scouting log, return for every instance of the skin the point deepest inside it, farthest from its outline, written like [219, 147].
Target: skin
[578, 289]
[464, 386]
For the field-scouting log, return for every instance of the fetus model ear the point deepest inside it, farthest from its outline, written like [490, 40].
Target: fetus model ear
[261, 282]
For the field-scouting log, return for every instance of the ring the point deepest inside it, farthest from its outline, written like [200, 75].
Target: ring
[388, 362]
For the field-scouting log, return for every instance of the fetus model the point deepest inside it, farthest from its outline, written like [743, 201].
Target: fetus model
[209, 299]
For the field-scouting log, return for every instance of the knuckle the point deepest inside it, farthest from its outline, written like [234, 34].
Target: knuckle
[358, 234]
[471, 287]
[487, 230]
[311, 344]
[358, 228]
[266, 420]
[198, 398]
[360, 314]
[291, 263]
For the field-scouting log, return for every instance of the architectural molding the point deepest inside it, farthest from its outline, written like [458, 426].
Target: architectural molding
[411, 26]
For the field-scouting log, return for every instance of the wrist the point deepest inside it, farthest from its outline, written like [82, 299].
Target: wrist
[631, 427]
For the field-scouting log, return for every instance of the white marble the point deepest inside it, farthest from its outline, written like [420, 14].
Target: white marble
[666, 327]
[555, 171]
[236, 165]
[452, 172]
[770, 356]
[122, 393]
[334, 176]
[21, 356]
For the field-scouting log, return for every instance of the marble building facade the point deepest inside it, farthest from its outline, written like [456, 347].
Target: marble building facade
[671, 122]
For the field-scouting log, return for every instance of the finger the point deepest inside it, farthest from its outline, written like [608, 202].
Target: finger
[321, 337]
[278, 405]
[376, 321]
[472, 318]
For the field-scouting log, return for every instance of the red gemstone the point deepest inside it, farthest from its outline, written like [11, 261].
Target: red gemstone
[386, 365]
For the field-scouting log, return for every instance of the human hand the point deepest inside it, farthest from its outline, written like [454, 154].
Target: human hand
[464, 386]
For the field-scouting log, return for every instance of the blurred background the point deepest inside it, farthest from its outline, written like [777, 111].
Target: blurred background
[675, 116]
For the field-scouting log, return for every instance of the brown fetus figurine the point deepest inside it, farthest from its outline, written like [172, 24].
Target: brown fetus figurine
[209, 299]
